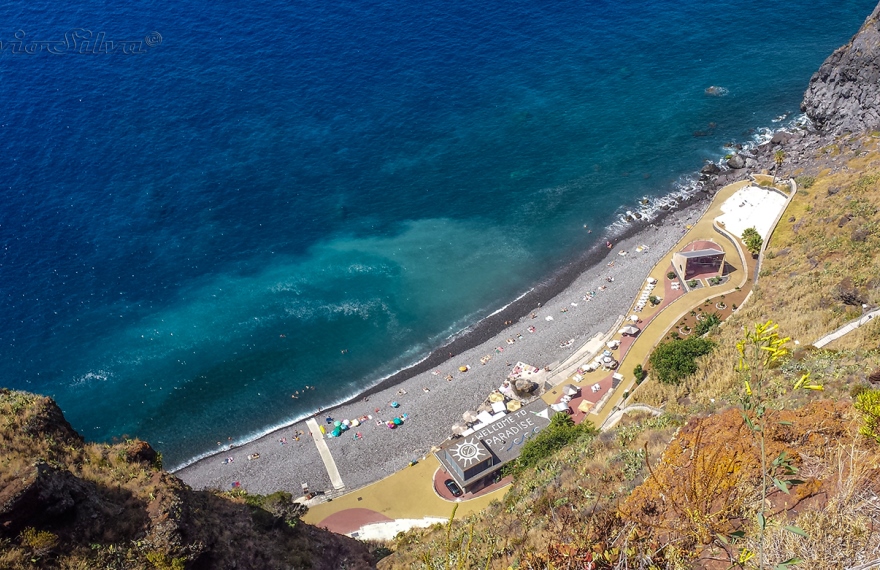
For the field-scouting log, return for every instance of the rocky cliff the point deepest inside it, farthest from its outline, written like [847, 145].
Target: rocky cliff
[844, 94]
[65, 503]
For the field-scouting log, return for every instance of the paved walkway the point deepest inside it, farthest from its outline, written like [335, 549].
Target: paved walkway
[318, 437]
[614, 418]
[406, 494]
[847, 328]
[658, 321]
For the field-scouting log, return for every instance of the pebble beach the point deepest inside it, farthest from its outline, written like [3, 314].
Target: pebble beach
[432, 402]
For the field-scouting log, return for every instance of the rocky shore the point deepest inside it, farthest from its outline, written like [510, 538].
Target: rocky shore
[842, 106]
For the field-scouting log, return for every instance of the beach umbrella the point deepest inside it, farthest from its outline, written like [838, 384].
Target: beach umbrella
[343, 427]
[630, 330]
[397, 421]
[395, 405]
[496, 397]
[469, 416]
[513, 405]
[346, 422]
[634, 318]
[459, 428]
[462, 368]
[355, 422]
[336, 432]
[337, 423]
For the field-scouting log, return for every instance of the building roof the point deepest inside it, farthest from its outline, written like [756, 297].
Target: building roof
[502, 439]
[702, 244]
[700, 253]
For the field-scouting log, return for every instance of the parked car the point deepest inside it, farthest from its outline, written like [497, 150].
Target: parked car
[453, 488]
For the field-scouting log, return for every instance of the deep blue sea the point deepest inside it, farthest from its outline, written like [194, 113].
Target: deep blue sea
[192, 233]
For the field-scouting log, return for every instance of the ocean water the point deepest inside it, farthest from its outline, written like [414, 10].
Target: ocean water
[275, 195]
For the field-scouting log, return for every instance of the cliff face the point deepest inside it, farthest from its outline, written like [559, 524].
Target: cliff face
[65, 503]
[844, 95]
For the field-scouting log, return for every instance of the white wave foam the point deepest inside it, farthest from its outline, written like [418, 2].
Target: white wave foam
[91, 377]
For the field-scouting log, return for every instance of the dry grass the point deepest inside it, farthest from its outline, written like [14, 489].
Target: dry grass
[844, 533]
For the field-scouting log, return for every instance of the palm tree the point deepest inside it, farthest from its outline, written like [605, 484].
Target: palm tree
[778, 158]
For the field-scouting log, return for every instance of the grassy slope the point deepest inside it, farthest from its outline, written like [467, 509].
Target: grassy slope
[581, 503]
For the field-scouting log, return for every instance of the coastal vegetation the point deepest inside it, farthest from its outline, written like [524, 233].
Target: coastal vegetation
[561, 432]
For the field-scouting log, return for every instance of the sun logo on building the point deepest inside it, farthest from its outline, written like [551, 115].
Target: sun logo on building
[468, 452]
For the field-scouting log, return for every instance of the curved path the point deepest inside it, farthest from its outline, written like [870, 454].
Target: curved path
[615, 417]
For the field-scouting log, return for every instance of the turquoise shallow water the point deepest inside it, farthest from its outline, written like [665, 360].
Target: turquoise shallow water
[193, 234]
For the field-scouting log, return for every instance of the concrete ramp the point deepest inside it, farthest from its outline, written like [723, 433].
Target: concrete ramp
[329, 464]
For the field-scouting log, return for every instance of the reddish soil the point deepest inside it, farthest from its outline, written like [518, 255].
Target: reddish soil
[350, 520]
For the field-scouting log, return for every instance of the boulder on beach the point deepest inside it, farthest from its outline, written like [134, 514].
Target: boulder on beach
[524, 386]
[780, 138]
[736, 162]
[710, 168]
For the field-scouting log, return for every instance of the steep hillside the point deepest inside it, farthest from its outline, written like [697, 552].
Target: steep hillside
[69, 504]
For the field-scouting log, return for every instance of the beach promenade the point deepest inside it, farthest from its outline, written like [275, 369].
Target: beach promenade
[412, 493]
[544, 334]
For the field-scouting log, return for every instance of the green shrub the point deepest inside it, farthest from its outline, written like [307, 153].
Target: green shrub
[753, 240]
[672, 361]
[654, 300]
[162, 561]
[640, 373]
[40, 542]
[868, 403]
[692, 283]
[805, 181]
[708, 323]
[671, 275]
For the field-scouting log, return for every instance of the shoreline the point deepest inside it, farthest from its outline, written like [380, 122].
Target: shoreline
[433, 404]
[494, 323]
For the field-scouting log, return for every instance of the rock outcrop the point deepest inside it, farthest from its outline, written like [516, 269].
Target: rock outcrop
[66, 503]
[844, 94]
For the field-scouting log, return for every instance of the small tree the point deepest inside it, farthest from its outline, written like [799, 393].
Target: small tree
[753, 240]
[778, 158]
[640, 373]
